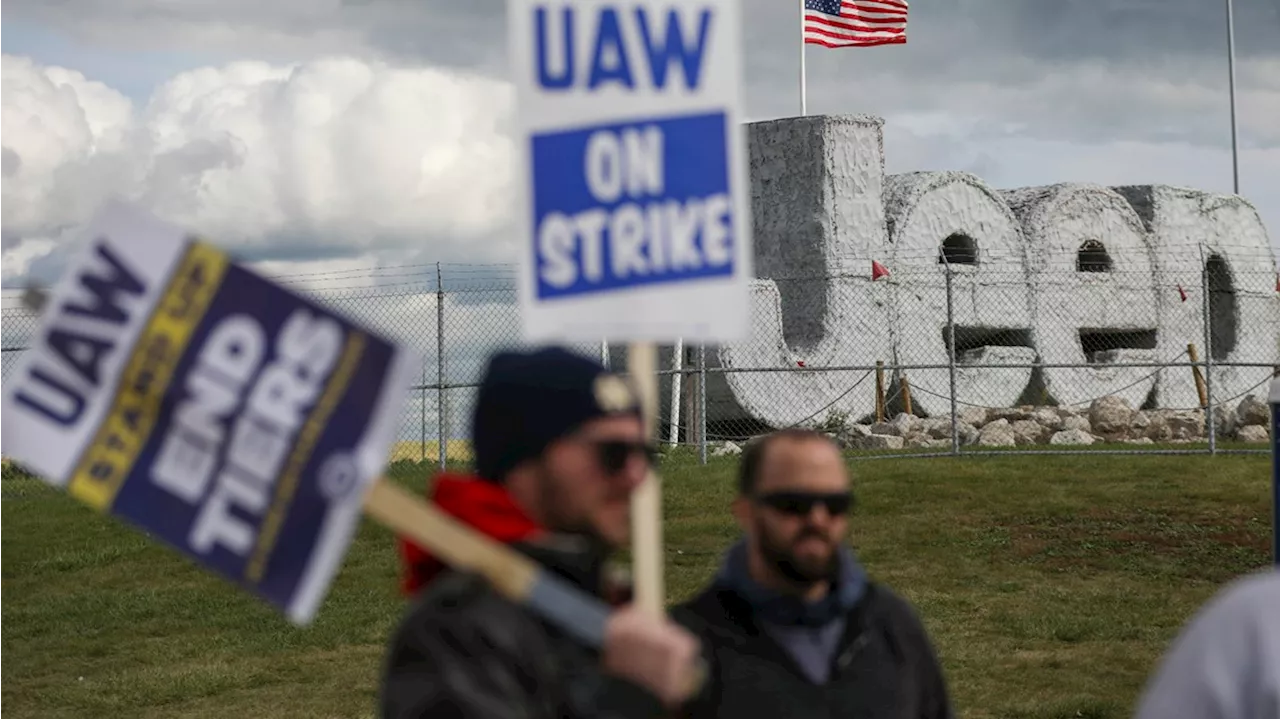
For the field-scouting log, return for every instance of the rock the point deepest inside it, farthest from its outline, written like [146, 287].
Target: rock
[886, 428]
[1110, 417]
[1168, 425]
[727, 449]
[942, 432]
[1253, 433]
[1107, 419]
[997, 434]
[880, 441]
[1225, 421]
[1075, 421]
[976, 416]
[906, 423]
[849, 437]
[1071, 436]
[1012, 414]
[917, 439]
[936, 427]
[1068, 412]
[1026, 431]
[1252, 411]
[939, 428]
[1158, 428]
[1048, 418]
[1186, 424]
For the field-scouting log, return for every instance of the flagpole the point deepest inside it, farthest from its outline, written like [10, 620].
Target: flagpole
[1231, 88]
[803, 99]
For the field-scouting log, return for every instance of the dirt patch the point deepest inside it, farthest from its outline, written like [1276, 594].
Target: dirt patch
[1173, 540]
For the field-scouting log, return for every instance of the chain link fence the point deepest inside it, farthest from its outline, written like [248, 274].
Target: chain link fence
[1105, 353]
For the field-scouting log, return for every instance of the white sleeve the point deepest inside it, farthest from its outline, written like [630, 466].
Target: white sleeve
[1225, 664]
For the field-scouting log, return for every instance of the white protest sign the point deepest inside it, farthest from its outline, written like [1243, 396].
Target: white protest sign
[634, 221]
[230, 418]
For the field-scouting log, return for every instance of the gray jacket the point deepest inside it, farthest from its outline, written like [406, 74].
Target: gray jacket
[1225, 664]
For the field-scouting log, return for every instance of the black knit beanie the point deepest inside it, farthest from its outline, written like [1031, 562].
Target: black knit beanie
[527, 400]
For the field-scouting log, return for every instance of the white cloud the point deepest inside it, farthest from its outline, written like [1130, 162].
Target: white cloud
[432, 32]
[362, 164]
[333, 156]
[57, 127]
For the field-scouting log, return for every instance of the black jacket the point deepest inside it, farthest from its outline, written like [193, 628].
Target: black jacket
[885, 666]
[463, 651]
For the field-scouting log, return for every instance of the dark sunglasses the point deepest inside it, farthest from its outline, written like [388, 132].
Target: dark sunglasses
[613, 454]
[801, 504]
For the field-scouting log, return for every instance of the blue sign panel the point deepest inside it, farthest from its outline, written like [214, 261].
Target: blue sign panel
[255, 440]
[628, 204]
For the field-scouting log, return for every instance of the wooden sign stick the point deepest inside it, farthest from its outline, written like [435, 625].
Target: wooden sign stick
[646, 502]
[512, 574]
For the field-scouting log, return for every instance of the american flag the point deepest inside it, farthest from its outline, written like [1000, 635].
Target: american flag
[846, 23]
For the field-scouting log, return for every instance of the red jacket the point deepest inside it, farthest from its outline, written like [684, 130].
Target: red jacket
[463, 650]
[483, 505]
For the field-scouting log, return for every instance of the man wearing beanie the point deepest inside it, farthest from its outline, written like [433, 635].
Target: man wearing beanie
[559, 448]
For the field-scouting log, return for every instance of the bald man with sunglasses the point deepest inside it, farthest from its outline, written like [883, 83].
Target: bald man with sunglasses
[793, 625]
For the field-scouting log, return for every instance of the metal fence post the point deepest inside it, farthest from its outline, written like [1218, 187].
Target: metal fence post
[951, 359]
[440, 407]
[702, 402]
[677, 384]
[1211, 423]
[1273, 398]
[422, 423]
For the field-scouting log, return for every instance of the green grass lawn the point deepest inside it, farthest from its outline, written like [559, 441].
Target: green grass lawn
[1051, 585]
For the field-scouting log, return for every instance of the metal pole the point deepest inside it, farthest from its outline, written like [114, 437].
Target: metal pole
[702, 402]
[604, 353]
[1231, 89]
[422, 423]
[440, 408]
[804, 101]
[1211, 424]
[677, 382]
[1274, 399]
[951, 360]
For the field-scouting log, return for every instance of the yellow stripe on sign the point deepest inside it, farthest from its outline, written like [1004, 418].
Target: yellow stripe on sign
[305, 445]
[132, 416]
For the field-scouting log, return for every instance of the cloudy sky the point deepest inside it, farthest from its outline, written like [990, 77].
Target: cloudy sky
[323, 135]
[330, 134]
[321, 138]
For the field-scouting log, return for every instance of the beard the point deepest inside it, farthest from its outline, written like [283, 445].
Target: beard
[801, 571]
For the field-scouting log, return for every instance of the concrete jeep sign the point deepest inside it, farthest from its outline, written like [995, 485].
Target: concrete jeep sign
[1067, 274]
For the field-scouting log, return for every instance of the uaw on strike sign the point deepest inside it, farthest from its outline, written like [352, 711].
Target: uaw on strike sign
[233, 420]
[634, 218]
